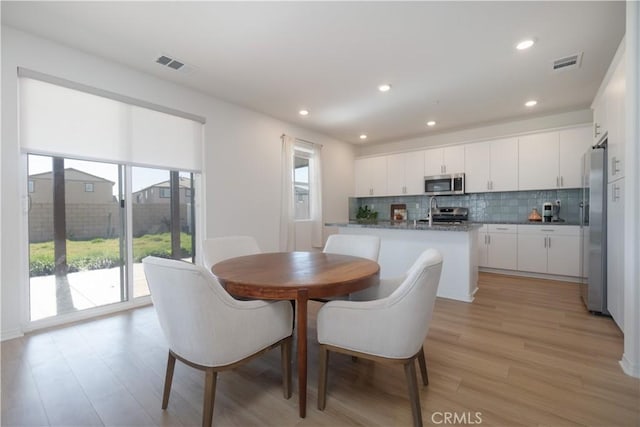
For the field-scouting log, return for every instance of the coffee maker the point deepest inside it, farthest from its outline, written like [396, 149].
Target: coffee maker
[547, 212]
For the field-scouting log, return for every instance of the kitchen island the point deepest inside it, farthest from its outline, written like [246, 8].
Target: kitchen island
[403, 242]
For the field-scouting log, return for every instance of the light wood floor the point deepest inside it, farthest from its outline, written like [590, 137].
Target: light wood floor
[525, 352]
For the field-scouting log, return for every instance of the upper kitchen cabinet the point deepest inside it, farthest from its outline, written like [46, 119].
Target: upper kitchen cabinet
[491, 166]
[574, 143]
[371, 176]
[446, 160]
[615, 112]
[552, 159]
[538, 161]
[405, 173]
[609, 114]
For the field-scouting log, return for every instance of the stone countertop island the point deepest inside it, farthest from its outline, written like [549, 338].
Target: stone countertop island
[403, 242]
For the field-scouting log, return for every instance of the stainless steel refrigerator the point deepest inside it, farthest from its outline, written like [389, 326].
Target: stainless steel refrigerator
[593, 229]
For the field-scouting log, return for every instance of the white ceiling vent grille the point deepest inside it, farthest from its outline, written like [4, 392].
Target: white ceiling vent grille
[568, 62]
[172, 63]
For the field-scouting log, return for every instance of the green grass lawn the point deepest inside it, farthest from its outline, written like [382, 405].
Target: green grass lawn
[102, 253]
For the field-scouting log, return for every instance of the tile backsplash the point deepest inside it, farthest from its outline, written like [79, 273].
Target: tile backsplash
[512, 206]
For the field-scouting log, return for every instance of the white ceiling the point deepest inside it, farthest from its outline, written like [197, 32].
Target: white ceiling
[452, 62]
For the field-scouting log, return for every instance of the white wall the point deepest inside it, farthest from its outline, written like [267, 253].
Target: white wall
[241, 157]
[479, 133]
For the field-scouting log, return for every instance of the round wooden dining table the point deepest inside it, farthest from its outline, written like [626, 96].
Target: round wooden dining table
[298, 276]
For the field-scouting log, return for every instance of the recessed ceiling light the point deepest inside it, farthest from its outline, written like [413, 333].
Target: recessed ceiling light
[531, 103]
[384, 88]
[363, 136]
[431, 123]
[525, 44]
[303, 112]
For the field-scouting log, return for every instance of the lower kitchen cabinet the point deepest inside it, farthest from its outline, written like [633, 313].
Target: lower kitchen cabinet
[549, 249]
[498, 245]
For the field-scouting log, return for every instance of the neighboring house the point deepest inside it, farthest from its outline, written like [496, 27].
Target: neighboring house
[80, 187]
[161, 193]
[91, 209]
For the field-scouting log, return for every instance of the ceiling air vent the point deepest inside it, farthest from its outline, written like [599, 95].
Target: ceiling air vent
[172, 63]
[568, 62]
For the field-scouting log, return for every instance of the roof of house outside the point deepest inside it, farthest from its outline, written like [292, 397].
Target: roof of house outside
[184, 183]
[71, 174]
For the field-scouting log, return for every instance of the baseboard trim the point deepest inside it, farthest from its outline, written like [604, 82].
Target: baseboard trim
[11, 334]
[629, 368]
[570, 279]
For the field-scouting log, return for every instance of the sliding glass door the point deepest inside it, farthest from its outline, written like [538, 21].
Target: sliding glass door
[162, 219]
[75, 235]
[78, 238]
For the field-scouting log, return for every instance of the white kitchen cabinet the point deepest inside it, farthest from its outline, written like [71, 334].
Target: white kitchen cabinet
[498, 246]
[549, 249]
[491, 166]
[371, 176]
[538, 161]
[445, 160]
[551, 160]
[405, 173]
[599, 117]
[615, 111]
[574, 143]
[615, 251]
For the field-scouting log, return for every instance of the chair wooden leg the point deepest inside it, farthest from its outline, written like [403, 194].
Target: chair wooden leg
[285, 357]
[423, 367]
[171, 364]
[322, 378]
[414, 397]
[209, 397]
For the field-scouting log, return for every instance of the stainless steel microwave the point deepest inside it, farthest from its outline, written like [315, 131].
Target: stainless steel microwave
[444, 184]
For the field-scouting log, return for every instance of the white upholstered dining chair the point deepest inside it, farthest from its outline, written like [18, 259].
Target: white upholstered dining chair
[390, 329]
[363, 246]
[209, 330]
[218, 249]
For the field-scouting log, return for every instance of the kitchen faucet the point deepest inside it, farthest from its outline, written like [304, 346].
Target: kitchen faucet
[432, 201]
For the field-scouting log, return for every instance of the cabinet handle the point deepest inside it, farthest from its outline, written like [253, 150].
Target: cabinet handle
[545, 242]
[557, 181]
[488, 185]
[489, 238]
[614, 165]
[562, 181]
[371, 191]
[547, 230]
[501, 228]
[491, 185]
[596, 129]
[549, 241]
[615, 194]
[485, 239]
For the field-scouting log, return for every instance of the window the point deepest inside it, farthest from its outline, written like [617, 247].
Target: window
[301, 182]
[85, 251]
[32, 187]
[187, 193]
[165, 193]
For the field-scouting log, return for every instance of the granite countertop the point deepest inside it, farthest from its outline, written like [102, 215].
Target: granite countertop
[407, 225]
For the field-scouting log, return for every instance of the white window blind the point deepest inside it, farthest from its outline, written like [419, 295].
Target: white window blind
[59, 120]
